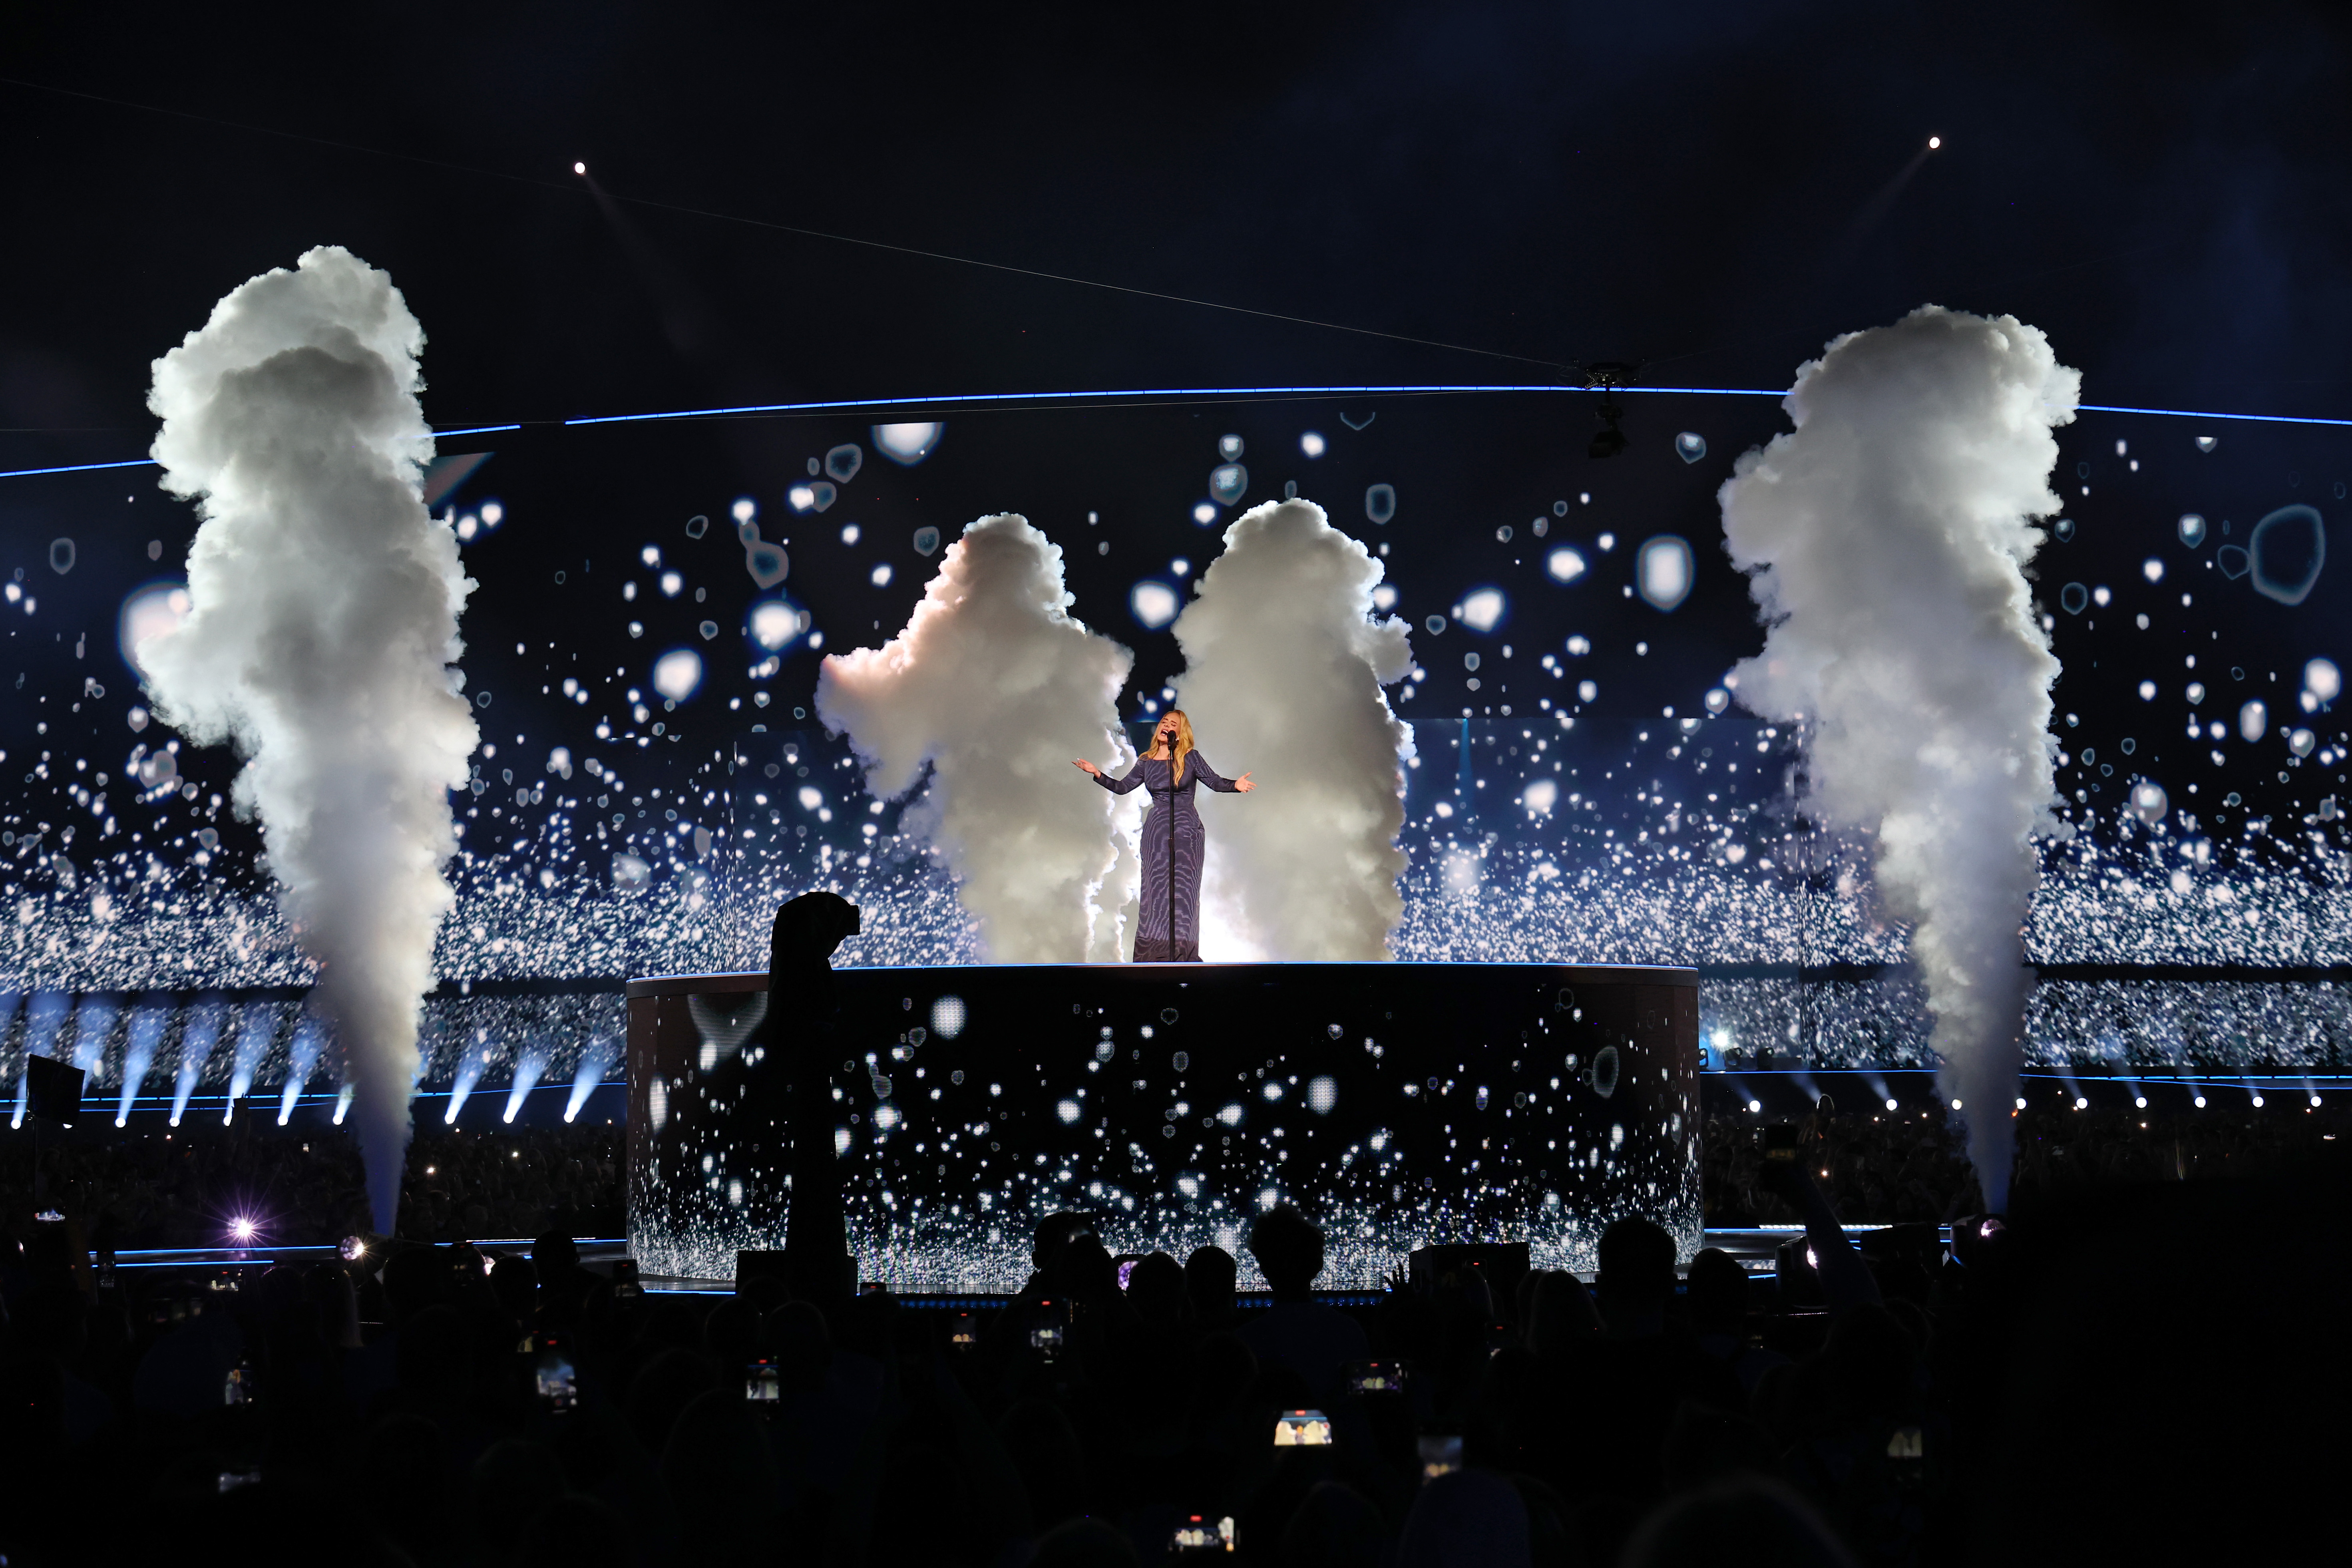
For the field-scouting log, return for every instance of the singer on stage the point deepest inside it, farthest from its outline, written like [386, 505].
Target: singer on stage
[1168, 927]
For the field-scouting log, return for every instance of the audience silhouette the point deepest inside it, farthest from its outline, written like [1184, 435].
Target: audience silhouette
[443, 1404]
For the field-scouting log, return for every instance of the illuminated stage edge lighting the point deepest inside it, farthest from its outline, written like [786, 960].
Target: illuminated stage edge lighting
[1398, 1103]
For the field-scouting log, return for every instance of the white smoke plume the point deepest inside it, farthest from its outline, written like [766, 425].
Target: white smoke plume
[320, 639]
[1889, 537]
[1285, 662]
[995, 688]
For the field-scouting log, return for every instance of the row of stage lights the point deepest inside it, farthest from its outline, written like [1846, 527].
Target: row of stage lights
[2083, 1102]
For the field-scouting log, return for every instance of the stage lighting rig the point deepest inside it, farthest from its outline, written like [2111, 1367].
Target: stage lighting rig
[1606, 376]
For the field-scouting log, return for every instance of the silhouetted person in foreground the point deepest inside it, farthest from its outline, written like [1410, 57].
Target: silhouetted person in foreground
[800, 1029]
[1719, 1315]
[1314, 1342]
[1209, 1280]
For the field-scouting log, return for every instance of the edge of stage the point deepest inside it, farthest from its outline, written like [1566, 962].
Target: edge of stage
[733, 983]
[1400, 1103]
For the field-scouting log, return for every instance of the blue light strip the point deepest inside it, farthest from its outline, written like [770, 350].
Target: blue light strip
[1149, 391]
[2194, 413]
[77, 468]
[149, 462]
[232, 1256]
[975, 399]
[841, 405]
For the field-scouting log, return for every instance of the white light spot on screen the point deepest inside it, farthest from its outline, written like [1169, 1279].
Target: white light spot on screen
[1322, 1094]
[2148, 691]
[1153, 603]
[2253, 720]
[2152, 569]
[881, 575]
[1565, 566]
[1311, 443]
[1068, 1111]
[948, 1017]
[1663, 570]
[1231, 1115]
[150, 612]
[811, 797]
[2322, 680]
[1481, 611]
[1587, 692]
[1272, 1090]
[678, 673]
[775, 625]
[907, 443]
[1205, 513]
[1541, 797]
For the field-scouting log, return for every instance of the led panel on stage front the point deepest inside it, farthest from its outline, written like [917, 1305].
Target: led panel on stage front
[1397, 1103]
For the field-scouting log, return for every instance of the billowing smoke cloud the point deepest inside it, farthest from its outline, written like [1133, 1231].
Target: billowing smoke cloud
[996, 687]
[321, 637]
[1888, 536]
[1284, 667]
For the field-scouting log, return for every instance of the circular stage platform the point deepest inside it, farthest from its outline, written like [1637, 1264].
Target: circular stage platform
[1397, 1103]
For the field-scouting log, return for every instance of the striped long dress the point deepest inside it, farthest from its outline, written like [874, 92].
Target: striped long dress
[1168, 923]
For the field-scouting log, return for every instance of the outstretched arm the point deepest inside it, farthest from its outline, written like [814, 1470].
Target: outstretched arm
[1846, 1279]
[1116, 786]
[1216, 781]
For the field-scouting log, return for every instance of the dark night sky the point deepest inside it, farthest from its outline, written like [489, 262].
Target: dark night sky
[1704, 187]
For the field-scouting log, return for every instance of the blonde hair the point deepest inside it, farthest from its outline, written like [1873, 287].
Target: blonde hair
[1161, 748]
